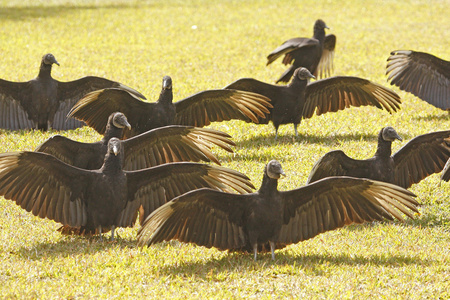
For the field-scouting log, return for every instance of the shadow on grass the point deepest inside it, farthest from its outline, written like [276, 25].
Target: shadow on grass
[237, 262]
[428, 220]
[302, 137]
[70, 246]
[19, 13]
[442, 117]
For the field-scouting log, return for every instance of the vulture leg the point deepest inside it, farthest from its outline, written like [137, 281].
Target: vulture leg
[272, 249]
[255, 250]
[100, 232]
[295, 129]
[112, 232]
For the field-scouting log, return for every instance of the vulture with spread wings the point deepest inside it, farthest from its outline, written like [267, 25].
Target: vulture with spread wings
[96, 201]
[316, 53]
[300, 99]
[422, 156]
[240, 222]
[157, 146]
[44, 102]
[197, 110]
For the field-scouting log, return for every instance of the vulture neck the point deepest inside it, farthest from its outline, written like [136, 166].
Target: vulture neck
[384, 147]
[45, 70]
[112, 131]
[268, 185]
[112, 163]
[166, 97]
[319, 34]
[298, 84]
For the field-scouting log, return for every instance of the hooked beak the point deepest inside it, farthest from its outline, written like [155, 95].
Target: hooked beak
[54, 61]
[167, 83]
[115, 150]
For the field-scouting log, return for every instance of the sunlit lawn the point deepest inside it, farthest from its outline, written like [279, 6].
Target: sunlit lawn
[205, 45]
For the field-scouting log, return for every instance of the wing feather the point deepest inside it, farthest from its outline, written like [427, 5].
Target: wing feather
[337, 201]
[340, 92]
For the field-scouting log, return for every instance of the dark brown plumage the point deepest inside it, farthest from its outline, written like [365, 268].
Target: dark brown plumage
[422, 74]
[162, 145]
[238, 222]
[94, 201]
[300, 99]
[44, 102]
[316, 53]
[197, 110]
[422, 156]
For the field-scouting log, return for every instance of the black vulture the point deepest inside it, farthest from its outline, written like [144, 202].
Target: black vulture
[316, 53]
[422, 74]
[422, 156]
[197, 110]
[44, 102]
[299, 99]
[157, 146]
[238, 222]
[96, 201]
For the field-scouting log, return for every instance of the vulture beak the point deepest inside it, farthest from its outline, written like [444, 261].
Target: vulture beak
[115, 150]
[53, 60]
[128, 125]
[398, 137]
[167, 83]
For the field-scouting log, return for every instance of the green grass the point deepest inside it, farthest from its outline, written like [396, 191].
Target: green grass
[139, 42]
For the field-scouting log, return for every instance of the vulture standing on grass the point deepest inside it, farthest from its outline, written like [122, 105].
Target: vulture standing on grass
[421, 74]
[237, 222]
[316, 53]
[300, 99]
[95, 201]
[44, 102]
[197, 110]
[162, 145]
[422, 156]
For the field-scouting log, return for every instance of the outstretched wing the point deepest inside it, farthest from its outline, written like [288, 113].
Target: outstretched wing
[173, 144]
[70, 92]
[155, 186]
[74, 153]
[13, 114]
[325, 66]
[421, 74]
[271, 91]
[289, 46]
[334, 202]
[422, 156]
[205, 217]
[220, 105]
[45, 186]
[334, 163]
[339, 92]
[96, 107]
